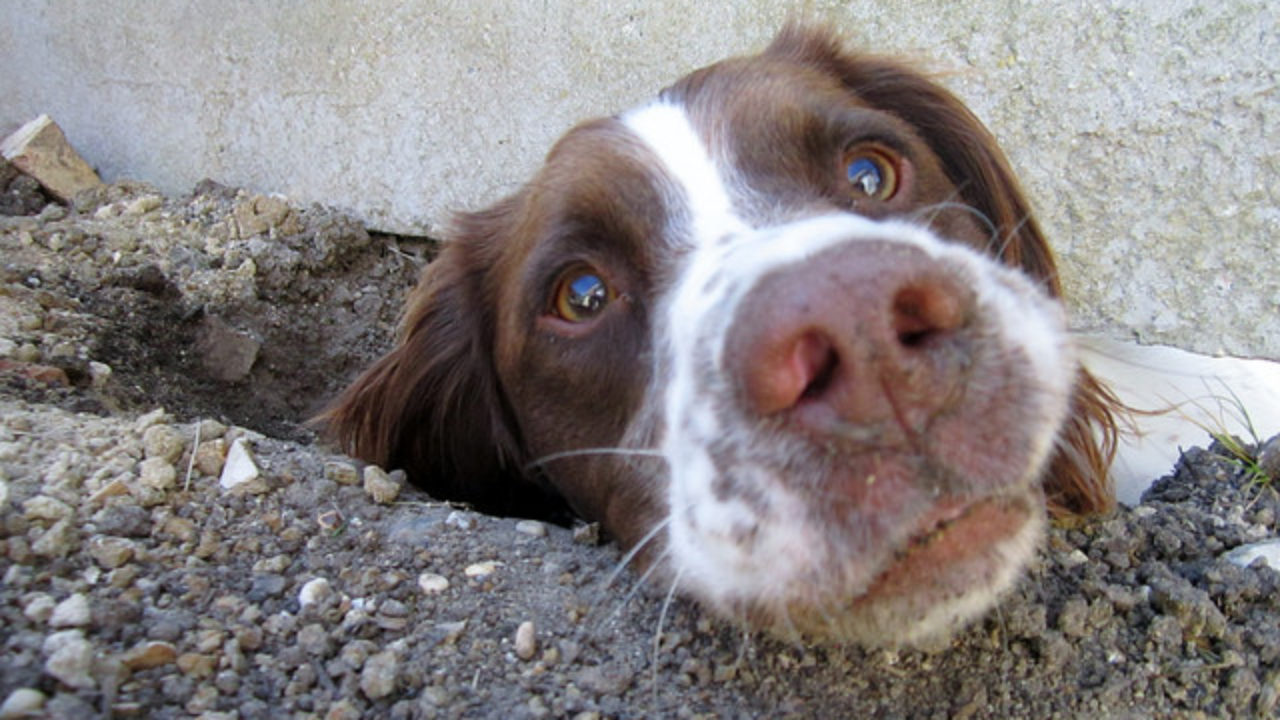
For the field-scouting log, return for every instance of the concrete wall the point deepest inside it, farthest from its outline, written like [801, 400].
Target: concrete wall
[1146, 131]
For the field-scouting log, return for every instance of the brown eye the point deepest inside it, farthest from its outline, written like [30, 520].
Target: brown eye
[872, 173]
[581, 295]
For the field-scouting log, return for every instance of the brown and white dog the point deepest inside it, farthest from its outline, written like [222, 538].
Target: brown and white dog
[790, 330]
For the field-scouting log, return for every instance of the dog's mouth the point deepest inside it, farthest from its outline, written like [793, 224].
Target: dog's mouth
[955, 545]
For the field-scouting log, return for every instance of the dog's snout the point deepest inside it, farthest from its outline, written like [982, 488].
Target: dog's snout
[868, 339]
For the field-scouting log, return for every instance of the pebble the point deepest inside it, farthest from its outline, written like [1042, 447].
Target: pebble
[240, 472]
[157, 473]
[481, 569]
[163, 441]
[314, 591]
[57, 541]
[110, 552]
[149, 654]
[382, 487]
[343, 473]
[526, 640]
[533, 528]
[22, 703]
[72, 612]
[70, 658]
[378, 677]
[1267, 550]
[99, 374]
[210, 456]
[43, 507]
[432, 584]
[38, 607]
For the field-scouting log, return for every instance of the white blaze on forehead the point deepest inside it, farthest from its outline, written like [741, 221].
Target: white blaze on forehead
[666, 130]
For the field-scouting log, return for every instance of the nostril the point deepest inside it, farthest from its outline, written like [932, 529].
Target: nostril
[821, 361]
[921, 312]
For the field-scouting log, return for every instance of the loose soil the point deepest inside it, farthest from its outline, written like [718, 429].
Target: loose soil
[142, 336]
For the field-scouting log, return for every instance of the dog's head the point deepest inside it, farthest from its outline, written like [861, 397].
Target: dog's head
[790, 329]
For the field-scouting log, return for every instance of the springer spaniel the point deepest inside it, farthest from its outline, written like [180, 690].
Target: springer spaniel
[789, 332]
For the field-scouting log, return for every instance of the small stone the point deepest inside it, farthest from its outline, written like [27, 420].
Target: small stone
[143, 205]
[378, 677]
[226, 353]
[38, 607]
[240, 472]
[43, 507]
[70, 658]
[526, 641]
[314, 591]
[72, 612]
[460, 520]
[157, 473]
[163, 441]
[22, 703]
[40, 149]
[1267, 551]
[57, 541]
[149, 654]
[343, 473]
[587, 534]
[115, 488]
[481, 569]
[210, 456]
[432, 584]
[380, 486]
[99, 374]
[145, 421]
[532, 528]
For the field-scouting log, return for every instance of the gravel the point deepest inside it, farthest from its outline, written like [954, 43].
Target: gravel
[173, 543]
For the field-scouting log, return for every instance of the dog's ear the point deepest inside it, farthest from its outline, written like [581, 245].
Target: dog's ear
[1078, 480]
[434, 406]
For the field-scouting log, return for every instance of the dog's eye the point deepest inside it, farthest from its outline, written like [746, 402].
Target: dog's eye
[581, 295]
[872, 173]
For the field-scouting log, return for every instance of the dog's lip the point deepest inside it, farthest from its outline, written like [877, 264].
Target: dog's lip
[951, 536]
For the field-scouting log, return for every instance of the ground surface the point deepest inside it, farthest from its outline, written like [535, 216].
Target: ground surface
[136, 328]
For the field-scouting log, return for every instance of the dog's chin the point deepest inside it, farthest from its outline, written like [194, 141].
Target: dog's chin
[961, 556]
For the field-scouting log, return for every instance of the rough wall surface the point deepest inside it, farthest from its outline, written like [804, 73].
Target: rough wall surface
[1145, 131]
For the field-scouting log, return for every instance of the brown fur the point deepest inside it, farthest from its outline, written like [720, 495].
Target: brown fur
[437, 405]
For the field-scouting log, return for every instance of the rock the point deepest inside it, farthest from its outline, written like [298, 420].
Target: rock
[38, 607]
[382, 487]
[259, 214]
[43, 507]
[57, 541]
[40, 149]
[110, 552]
[378, 677]
[432, 584]
[163, 441]
[149, 654]
[343, 473]
[70, 658]
[532, 528]
[240, 472]
[481, 569]
[22, 703]
[99, 374]
[226, 354]
[314, 591]
[72, 612]
[157, 473]
[526, 641]
[1267, 550]
[210, 456]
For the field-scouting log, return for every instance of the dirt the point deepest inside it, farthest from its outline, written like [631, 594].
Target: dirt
[142, 337]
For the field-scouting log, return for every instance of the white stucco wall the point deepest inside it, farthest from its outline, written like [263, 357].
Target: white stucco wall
[1145, 131]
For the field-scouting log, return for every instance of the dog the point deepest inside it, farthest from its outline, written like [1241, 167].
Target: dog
[789, 332]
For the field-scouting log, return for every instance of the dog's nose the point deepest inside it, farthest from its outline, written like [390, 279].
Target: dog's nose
[867, 341]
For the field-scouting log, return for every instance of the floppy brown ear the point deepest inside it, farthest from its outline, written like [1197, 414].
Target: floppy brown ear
[433, 406]
[1078, 480]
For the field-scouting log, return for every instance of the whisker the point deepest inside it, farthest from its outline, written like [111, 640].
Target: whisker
[657, 637]
[639, 452]
[631, 554]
